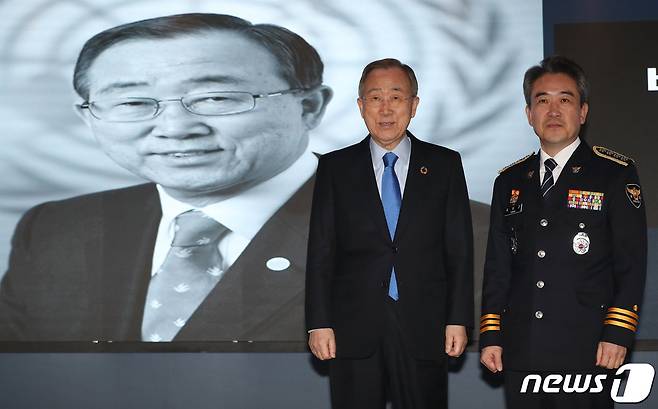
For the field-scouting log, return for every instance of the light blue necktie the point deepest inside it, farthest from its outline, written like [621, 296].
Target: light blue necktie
[391, 199]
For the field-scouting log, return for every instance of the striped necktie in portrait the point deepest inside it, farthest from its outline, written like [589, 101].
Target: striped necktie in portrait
[191, 269]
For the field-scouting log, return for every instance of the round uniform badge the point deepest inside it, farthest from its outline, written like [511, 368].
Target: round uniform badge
[581, 243]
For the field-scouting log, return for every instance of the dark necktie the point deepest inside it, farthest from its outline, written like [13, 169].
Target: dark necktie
[191, 269]
[548, 182]
[391, 199]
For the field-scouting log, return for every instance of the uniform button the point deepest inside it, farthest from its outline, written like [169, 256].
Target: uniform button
[541, 254]
[395, 249]
[543, 222]
[540, 284]
[539, 315]
[581, 225]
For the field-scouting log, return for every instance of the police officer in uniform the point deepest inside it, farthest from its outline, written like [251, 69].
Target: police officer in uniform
[566, 254]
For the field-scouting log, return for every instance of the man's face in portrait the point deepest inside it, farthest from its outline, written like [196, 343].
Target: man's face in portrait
[555, 112]
[387, 105]
[187, 153]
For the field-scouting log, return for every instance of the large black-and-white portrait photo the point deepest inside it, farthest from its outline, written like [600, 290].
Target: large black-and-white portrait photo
[158, 158]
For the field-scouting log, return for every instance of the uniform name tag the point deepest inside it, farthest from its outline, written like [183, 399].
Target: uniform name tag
[514, 207]
[583, 199]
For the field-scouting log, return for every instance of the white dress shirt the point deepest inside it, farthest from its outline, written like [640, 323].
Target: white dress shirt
[561, 158]
[243, 214]
[403, 151]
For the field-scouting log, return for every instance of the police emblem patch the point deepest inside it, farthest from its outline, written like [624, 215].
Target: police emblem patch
[634, 194]
[583, 199]
[581, 243]
[514, 197]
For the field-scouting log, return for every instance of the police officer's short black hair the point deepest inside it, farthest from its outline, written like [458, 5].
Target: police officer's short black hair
[556, 65]
[299, 62]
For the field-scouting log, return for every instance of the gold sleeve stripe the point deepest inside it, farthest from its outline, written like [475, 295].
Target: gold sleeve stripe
[623, 311]
[489, 328]
[622, 318]
[621, 322]
[617, 323]
[489, 322]
[484, 317]
[616, 319]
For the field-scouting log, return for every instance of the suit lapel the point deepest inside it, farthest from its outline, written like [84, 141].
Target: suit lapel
[369, 194]
[413, 190]
[531, 192]
[253, 301]
[130, 226]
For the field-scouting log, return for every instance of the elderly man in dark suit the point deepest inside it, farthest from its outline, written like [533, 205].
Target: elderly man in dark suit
[389, 280]
[215, 113]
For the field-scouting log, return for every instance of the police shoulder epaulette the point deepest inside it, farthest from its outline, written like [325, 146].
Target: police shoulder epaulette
[514, 163]
[609, 154]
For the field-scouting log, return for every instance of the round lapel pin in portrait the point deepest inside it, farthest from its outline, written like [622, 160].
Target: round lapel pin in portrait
[277, 263]
[424, 170]
[581, 243]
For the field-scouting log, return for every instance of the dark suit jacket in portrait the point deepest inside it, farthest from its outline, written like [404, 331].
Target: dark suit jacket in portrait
[351, 252]
[80, 269]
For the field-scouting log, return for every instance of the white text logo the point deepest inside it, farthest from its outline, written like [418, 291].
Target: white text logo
[652, 79]
[637, 387]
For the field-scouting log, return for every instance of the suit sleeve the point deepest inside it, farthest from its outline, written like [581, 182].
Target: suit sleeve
[628, 227]
[458, 236]
[497, 272]
[321, 250]
[14, 289]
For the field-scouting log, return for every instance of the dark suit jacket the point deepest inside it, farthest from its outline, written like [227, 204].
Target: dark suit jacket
[80, 268]
[350, 252]
[546, 301]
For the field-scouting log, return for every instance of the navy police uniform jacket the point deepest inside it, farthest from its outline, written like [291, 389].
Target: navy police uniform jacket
[565, 271]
